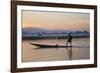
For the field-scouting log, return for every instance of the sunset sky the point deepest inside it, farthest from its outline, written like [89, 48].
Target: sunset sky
[55, 20]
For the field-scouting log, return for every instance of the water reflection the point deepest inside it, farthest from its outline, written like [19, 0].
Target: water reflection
[69, 52]
[32, 53]
[68, 49]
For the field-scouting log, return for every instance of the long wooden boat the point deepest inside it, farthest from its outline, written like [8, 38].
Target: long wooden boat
[55, 46]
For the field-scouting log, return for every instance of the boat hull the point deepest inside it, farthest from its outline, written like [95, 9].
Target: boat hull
[56, 46]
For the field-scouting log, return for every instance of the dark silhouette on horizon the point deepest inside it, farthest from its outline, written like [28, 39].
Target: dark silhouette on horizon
[69, 39]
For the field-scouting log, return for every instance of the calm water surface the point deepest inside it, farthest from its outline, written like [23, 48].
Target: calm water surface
[31, 53]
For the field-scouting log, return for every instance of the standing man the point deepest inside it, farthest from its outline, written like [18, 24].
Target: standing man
[69, 40]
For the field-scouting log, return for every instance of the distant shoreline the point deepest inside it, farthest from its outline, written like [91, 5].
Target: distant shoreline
[42, 38]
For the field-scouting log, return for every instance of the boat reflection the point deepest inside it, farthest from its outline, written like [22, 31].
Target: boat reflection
[69, 52]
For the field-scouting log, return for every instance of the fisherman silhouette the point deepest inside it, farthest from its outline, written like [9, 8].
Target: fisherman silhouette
[69, 40]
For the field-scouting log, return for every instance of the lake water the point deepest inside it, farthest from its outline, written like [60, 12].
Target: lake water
[30, 53]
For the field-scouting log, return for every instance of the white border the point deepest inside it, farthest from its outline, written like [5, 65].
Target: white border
[53, 63]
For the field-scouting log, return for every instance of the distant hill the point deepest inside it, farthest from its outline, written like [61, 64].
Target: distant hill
[31, 30]
[35, 30]
[42, 33]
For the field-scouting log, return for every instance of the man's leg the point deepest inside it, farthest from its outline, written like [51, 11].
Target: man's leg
[71, 44]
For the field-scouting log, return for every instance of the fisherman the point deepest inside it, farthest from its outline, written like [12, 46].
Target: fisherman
[69, 40]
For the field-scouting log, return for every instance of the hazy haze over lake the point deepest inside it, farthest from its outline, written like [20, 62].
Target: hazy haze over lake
[55, 20]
